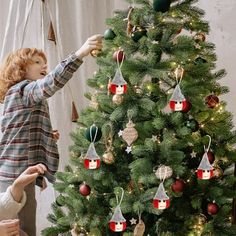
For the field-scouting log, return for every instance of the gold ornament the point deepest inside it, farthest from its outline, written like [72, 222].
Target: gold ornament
[139, 228]
[78, 231]
[200, 37]
[94, 103]
[217, 172]
[95, 52]
[200, 219]
[130, 134]
[179, 72]
[117, 99]
[108, 157]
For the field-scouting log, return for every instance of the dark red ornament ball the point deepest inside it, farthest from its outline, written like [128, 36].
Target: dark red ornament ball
[212, 208]
[84, 189]
[178, 186]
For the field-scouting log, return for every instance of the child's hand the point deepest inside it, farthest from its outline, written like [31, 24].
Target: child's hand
[92, 43]
[9, 228]
[55, 134]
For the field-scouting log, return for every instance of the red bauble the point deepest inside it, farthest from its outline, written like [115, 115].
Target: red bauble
[188, 107]
[119, 55]
[212, 100]
[211, 157]
[84, 189]
[178, 186]
[212, 208]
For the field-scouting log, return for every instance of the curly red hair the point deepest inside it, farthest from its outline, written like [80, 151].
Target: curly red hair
[14, 68]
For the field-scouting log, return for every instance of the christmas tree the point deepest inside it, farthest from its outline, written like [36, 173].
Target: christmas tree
[152, 151]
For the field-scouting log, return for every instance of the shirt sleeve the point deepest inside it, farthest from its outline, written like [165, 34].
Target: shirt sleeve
[9, 207]
[36, 91]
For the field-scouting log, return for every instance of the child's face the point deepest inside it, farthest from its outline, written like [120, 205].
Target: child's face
[37, 69]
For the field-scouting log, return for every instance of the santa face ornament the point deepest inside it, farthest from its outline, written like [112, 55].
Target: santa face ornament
[178, 105]
[161, 204]
[117, 226]
[92, 164]
[205, 169]
[204, 174]
[118, 89]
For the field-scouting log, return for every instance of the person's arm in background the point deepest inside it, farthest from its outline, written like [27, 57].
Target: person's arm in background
[36, 91]
[14, 198]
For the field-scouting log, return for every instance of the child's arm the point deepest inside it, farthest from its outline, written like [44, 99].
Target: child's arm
[41, 89]
[9, 227]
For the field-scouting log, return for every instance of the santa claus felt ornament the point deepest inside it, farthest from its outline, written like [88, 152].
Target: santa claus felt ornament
[91, 160]
[161, 200]
[118, 222]
[118, 85]
[205, 169]
[177, 100]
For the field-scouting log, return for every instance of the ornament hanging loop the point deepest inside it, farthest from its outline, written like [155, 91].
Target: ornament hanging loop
[122, 196]
[209, 144]
[117, 59]
[91, 135]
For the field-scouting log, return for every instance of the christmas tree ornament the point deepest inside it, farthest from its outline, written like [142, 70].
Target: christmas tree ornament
[129, 134]
[74, 114]
[211, 157]
[133, 221]
[161, 200]
[84, 189]
[212, 208]
[200, 219]
[179, 73]
[119, 56]
[78, 230]
[161, 5]
[199, 37]
[117, 99]
[51, 33]
[118, 85]
[109, 34]
[137, 33]
[217, 172]
[95, 52]
[177, 101]
[163, 172]
[205, 169]
[60, 200]
[93, 133]
[199, 60]
[129, 24]
[178, 186]
[91, 159]
[118, 222]
[108, 157]
[212, 101]
[139, 228]
[93, 102]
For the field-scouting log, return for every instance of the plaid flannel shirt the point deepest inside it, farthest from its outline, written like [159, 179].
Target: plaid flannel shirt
[27, 132]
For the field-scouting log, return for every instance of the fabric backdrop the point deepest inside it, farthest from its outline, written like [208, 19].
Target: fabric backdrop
[25, 23]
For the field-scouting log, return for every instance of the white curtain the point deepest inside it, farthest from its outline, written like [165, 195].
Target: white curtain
[25, 23]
